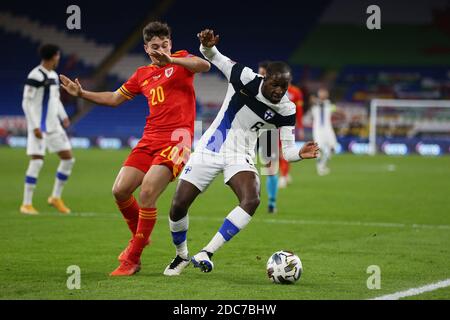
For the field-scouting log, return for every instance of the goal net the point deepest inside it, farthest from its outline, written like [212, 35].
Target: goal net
[401, 127]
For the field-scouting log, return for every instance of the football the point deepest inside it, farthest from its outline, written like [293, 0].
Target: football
[284, 267]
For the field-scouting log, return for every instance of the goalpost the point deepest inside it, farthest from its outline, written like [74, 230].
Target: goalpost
[411, 114]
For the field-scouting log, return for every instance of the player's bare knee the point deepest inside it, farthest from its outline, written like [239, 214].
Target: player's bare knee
[120, 193]
[65, 155]
[148, 197]
[178, 210]
[250, 204]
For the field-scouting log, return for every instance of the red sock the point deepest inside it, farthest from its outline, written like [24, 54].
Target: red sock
[284, 167]
[130, 211]
[147, 220]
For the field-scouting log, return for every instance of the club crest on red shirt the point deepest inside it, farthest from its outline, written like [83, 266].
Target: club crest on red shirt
[169, 72]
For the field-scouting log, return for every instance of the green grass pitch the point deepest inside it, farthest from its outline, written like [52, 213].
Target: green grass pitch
[393, 212]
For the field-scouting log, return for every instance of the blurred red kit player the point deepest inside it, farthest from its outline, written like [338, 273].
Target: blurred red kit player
[165, 145]
[295, 95]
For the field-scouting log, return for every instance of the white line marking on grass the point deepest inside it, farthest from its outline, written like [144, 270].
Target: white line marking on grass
[340, 223]
[415, 291]
[96, 214]
[80, 214]
[292, 221]
[360, 223]
[337, 223]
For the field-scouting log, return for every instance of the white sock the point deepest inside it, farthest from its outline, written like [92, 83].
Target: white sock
[216, 242]
[28, 193]
[236, 220]
[323, 159]
[326, 156]
[62, 174]
[34, 167]
[319, 164]
[179, 231]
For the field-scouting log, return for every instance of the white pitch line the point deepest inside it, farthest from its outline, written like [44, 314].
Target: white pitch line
[295, 221]
[360, 223]
[415, 291]
[338, 223]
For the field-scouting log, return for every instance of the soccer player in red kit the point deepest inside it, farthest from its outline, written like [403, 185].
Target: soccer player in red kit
[165, 145]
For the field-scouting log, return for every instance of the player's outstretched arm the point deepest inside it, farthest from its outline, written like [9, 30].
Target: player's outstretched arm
[107, 98]
[207, 38]
[208, 48]
[310, 150]
[193, 64]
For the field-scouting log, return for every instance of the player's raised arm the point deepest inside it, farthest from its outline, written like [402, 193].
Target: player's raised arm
[192, 63]
[209, 50]
[107, 98]
[310, 149]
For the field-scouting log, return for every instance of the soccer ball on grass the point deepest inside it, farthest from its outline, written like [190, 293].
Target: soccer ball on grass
[284, 267]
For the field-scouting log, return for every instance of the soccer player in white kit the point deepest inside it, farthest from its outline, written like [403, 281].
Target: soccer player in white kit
[323, 132]
[252, 103]
[44, 112]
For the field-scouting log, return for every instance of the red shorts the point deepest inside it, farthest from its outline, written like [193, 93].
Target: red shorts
[148, 153]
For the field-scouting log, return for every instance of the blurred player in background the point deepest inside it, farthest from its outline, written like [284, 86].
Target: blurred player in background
[273, 181]
[165, 145]
[251, 103]
[296, 96]
[323, 132]
[44, 112]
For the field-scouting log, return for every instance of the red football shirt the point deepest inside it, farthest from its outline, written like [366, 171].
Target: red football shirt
[296, 96]
[170, 94]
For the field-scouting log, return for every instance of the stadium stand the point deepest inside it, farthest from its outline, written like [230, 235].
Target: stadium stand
[323, 47]
[83, 51]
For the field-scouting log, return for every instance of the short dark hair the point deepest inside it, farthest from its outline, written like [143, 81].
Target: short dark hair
[264, 64]
[156, 29]
[275, 67]
[48, 51]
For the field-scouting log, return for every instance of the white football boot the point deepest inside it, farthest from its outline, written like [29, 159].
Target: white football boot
[176, 266]
[203, 261]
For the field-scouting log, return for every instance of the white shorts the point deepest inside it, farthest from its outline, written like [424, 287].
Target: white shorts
[55, 141]
[203, 166]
